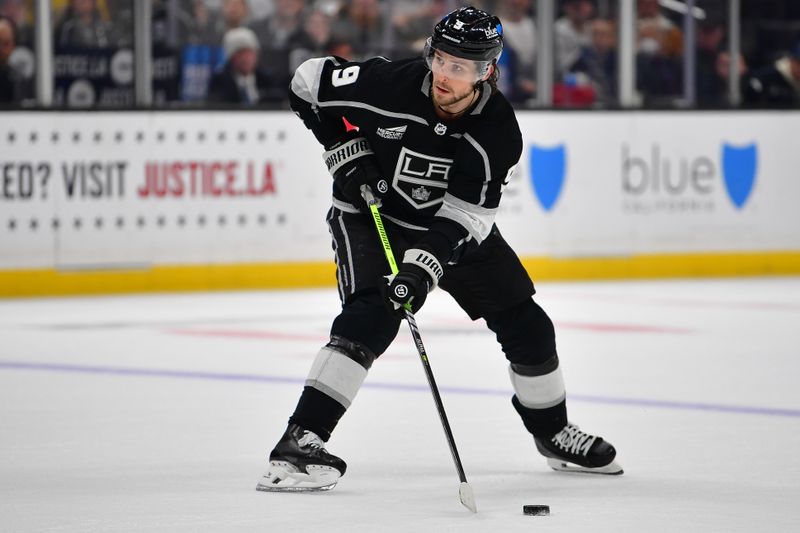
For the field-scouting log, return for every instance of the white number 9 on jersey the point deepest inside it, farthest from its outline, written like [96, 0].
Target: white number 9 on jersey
[345, 76]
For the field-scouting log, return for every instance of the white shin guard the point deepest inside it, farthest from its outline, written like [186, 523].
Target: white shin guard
[537, 391]
[337, 375]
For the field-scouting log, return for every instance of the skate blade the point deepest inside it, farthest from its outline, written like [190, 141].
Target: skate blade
[284, 477]
[611, 469]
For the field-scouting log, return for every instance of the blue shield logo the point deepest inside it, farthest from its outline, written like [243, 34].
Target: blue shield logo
[548, 166]
[739, 168]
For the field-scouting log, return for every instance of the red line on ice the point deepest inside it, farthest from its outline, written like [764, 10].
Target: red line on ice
[620, 328]
[244, 334]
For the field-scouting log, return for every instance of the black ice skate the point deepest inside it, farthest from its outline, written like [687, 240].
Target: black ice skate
[300, 463]
[572, 450]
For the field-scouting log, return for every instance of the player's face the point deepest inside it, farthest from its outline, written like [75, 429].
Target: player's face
[455, 68]
[453, 80]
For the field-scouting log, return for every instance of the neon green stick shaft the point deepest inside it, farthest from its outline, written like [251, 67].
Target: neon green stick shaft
[376, 216]
[465, 491]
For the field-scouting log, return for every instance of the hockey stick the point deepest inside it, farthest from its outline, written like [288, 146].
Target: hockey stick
[465, 493]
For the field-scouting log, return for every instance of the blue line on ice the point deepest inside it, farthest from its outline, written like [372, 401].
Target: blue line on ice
[221, 376]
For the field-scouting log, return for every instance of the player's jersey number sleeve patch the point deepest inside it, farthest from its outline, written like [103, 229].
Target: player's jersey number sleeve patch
[345, 76]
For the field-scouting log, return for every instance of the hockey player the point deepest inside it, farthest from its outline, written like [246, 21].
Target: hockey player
[436, 142]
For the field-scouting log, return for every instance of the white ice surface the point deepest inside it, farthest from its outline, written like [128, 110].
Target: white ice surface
[157, 413]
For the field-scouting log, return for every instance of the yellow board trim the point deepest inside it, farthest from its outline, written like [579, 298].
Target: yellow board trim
[171, 278]
[665, 266]
[166, 278]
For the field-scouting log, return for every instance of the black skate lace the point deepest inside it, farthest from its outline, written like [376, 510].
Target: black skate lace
[311, 440]
[571, 439]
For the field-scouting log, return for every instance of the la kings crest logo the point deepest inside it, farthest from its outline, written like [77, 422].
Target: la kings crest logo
[421, 179]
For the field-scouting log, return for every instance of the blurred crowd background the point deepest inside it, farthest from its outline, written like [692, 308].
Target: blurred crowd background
[211, 53]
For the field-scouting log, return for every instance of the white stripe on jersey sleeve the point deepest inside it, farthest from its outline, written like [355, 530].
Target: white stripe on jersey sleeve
[378, 110]
[306, 80]
[487, 169]
[475, 219]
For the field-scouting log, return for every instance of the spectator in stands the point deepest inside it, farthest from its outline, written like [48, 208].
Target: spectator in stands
[240, 81]
[723, 67]
[211, 26]
[318, 28]
[777, 85]
[18, 12]
[518, 62]
[82, 26]
[412, 23]
[659, 75]
[343, 49]
[599, 61]
[361, 24]
[710, 88]
[10, 80]
[281, 28]
[713, 62]
[657, 35]
[203, 31]
[572, 33]
[283, 39]
[234, 13]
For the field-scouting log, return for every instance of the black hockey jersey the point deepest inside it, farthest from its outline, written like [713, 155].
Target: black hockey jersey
[441, 173]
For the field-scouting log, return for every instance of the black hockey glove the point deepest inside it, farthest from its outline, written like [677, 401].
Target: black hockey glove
[352, 163]
[419, 274]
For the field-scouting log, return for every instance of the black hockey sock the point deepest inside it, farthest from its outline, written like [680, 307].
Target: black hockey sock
[317, 412]
[542, 423]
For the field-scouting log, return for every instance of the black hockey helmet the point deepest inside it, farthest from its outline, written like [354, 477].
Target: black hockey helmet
[468, 33]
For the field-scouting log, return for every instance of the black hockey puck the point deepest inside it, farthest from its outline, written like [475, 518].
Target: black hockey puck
[536, 510]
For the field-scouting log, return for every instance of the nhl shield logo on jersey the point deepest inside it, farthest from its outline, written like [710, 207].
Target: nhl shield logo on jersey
[421, 179]
[440, 129]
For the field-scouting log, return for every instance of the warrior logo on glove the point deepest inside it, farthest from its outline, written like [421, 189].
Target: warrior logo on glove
[352, 163]
[349, 151]
[419, 273]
